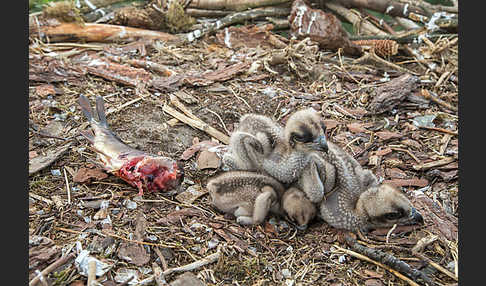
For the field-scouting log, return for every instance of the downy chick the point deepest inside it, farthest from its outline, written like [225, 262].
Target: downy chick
[297, 207]
[283, 157]
[254, 139]
[358, 201]
[250, 196]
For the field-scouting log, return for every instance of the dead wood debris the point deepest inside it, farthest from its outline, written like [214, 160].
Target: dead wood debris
[394, 111]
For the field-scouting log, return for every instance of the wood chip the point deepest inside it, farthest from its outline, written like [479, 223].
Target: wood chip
[385, 135]
[191, 194]
[391, 93]
[42, 161]
[84, 175]
[437, 220]
[208, 160]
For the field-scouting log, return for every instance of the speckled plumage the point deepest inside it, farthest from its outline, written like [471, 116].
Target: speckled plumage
[261, 144]
[250, 196]
[358, 201]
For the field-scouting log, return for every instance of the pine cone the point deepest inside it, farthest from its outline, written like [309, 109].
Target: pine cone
[383, 48]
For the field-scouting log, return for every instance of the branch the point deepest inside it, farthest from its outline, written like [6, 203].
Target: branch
[235, 5]
[355, 19]
[388, 7]
[198, 124]
[381, 258]
[400, 39]
[90, 32]
[233, 18]
[52, 267]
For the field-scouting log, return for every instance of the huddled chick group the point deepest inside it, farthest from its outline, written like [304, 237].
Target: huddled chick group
[294, 171]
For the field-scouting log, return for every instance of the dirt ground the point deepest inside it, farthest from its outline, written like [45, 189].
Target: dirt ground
[176, 232]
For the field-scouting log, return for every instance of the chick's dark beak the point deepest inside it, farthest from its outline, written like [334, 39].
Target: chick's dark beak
[321, 143]
[416, 217]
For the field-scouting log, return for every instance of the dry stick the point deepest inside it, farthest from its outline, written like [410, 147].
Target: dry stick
[67, 187]
[41, 198]
[401, 39]
[408, 152]
[220, 119]
[191, 266]
[162, 258]
[440, 130]
[52, 267]
[234, 18]
[198, 124]
[158, 275]
[392, 8]
[235, 5]
[371, 56]
[136, 241]
[427, 95]
[433, 164]
[124, 105]
[91, 272]
[188, 267]
[388, 260]
[175, 101]
[420, 257]
[90, 32]
[355, 19]
[198, 13]
[365, 258]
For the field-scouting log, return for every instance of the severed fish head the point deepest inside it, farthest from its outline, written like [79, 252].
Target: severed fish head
[152, 173]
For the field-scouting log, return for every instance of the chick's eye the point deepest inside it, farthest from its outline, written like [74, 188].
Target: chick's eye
[299, 138]
[392, 215]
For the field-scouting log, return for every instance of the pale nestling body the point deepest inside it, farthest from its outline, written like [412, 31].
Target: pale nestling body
[261, 144]
[250, 196]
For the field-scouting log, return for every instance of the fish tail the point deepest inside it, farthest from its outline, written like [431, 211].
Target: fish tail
[100, 110]
[85, 107]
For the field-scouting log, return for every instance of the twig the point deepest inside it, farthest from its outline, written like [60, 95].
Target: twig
[429, 95]
[158, 275]
[438, 163]
[68, 189]
[198, 124]
[240, 98]
[175, 101]
[371, 56]
[161, 257]
[52, 267]
[445, 141]
[41, 198]
[408, 152]
[390, 232]
[42, 279]
[91, 32]
[235, 18]
[355, 19]
[239, 5]
[400, 39]
[188, 267]
[391, 262]
[91, 272]
[195, 265]
[220, 119]
[440, 130]
[365, 258]
[387, 7]
[421, 257]
[124, 105]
